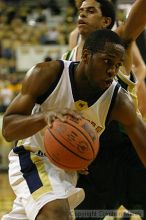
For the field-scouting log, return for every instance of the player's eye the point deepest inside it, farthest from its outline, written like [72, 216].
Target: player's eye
[91, 11]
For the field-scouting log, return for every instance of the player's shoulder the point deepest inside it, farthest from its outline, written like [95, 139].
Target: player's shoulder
[48, 67]
[41, 76]
[123, 98]
[44, 70]
[123, 105]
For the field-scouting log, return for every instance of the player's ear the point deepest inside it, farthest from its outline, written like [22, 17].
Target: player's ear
[86, 54]
[106, 22]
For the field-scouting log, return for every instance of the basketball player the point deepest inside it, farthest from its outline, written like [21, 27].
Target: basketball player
[112, 180]
[51, 90]
[77, 38]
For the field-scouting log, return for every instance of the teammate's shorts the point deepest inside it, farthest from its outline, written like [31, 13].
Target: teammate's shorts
[36, 181]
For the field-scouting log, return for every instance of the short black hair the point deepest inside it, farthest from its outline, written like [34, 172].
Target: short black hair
[97, 40]
[108, 10]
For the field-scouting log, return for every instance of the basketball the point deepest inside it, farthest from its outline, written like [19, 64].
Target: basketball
[72, 144]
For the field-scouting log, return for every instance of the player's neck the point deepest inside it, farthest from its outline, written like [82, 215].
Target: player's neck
[79, 50]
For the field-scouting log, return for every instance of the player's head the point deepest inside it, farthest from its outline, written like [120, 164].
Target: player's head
[95, 14]
[103, 54]
[96, 40]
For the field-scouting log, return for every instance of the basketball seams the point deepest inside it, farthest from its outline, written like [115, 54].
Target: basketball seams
[67, 147]
[70, 144]
[56, 163]
[68, 122]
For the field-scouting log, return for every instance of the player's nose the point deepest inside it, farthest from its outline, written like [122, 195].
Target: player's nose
[82, 14]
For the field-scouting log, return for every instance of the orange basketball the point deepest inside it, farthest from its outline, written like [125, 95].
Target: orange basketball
[72, 144]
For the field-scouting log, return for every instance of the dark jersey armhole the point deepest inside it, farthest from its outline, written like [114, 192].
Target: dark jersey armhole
[43, 97]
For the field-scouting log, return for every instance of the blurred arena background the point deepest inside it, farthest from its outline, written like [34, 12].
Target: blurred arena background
[31, 32]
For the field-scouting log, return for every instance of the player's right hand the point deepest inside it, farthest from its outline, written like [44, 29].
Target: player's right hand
[61, 115]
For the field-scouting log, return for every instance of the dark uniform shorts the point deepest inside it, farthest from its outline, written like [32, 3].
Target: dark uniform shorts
[116, 177]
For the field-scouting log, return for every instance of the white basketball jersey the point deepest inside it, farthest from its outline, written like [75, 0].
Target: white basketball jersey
[62, 97]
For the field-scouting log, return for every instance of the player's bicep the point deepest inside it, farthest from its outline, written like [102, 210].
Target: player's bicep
[137, 133]
[135, 129]
[124, 110]
[22, 104]
[32, 87]
[130, 118]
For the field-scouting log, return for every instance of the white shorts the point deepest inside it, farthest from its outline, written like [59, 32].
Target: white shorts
[35, 182]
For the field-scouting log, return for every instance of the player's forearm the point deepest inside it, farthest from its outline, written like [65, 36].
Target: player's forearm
[140, 72]
[139, 64]
[136, 21]
[16, 127]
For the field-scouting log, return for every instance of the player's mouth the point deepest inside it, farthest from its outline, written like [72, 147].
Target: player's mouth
[81, 22]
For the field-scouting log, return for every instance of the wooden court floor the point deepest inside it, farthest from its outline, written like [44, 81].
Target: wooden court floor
[6, 194]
